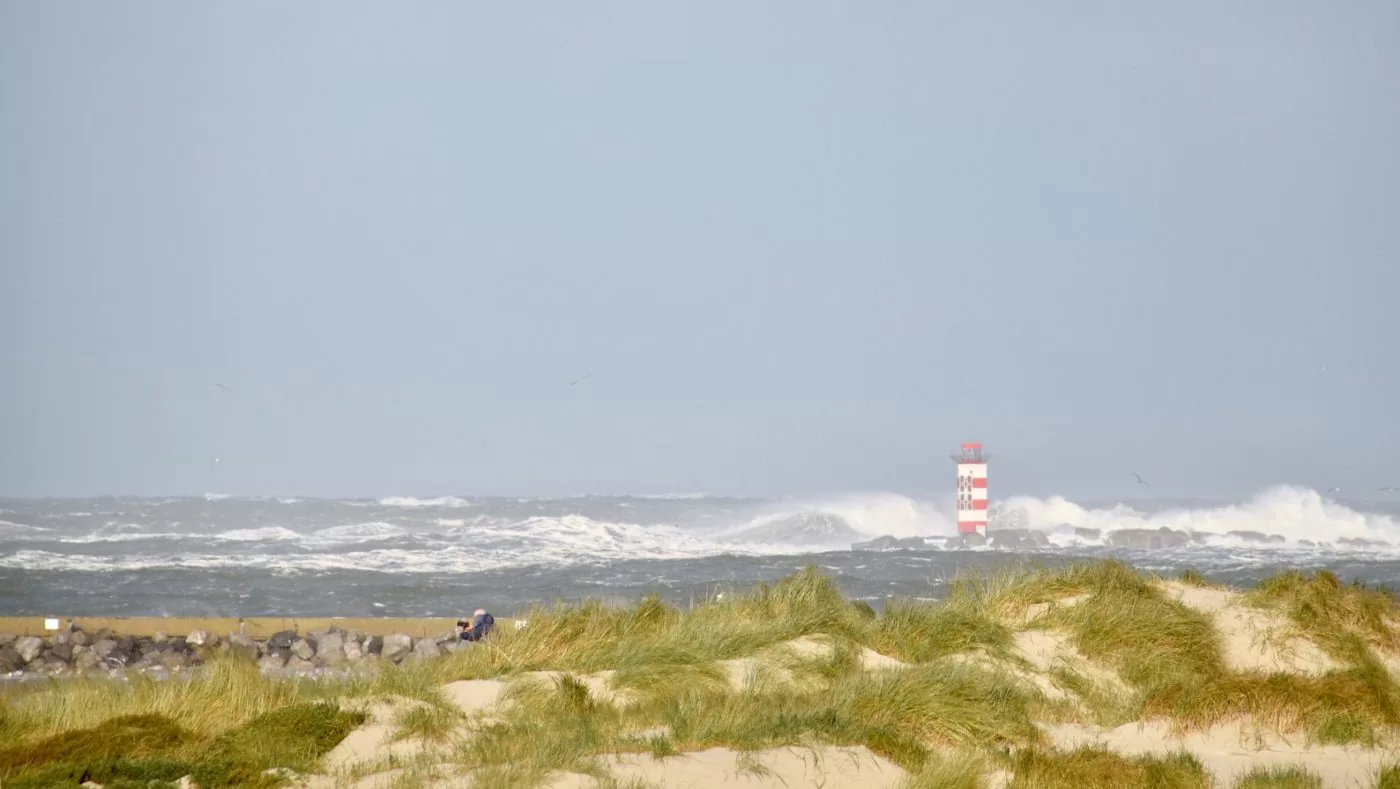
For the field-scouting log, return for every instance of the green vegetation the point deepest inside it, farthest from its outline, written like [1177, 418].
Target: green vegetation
[1347, 621]
[1091, 767]
[133, 750]
[1279, 778]
[784, 664]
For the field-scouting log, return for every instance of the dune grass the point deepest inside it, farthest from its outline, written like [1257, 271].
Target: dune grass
[133, 750]
[1345, 620]
[777, 666]
[1092, 767]
[1279, 778]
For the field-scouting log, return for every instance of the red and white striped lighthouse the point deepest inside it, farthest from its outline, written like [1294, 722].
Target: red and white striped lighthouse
[972, 490]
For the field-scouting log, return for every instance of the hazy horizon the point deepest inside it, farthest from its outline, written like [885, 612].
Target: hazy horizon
[357, 251]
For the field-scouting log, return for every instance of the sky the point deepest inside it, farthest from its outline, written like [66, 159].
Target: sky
[797, 247]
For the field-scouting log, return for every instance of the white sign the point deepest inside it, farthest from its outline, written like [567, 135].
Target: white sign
[51, 624]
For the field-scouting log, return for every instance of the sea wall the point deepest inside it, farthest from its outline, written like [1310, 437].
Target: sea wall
[101, 646]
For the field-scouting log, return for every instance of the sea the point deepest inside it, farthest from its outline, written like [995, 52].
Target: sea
[219, 555]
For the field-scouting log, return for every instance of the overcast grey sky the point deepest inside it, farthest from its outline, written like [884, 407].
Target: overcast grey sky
[799, 246]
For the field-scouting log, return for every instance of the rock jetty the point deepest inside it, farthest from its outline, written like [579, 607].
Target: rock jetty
[78, 652]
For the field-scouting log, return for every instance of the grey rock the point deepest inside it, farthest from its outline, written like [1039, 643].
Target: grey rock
[272, 662]
[84, 659]
[1360, 542]
[374, 645]
[79, 639]
[425, 649]
[889, 542]
[158, 673]
[10, 661]
[1086, 533]
[396, 647]
[104, 647]
[964, 541]
[29, 648]
[242, 646]
[353, 651]
[160, 638]
[301, 648]
[282, 640]
[331, 649]
[8, 639]
[61, 637]
[201, 638]
[1255, 536]
[300, 664]
[1148, 539]
[62, 652]
[174, 660]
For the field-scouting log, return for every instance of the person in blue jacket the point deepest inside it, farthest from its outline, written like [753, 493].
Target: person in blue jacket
[480, 628]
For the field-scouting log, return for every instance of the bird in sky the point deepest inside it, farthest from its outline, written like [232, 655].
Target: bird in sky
[1390, 489]
[225, 388]
[1140, 480]
[581, 380]
[1334, 490]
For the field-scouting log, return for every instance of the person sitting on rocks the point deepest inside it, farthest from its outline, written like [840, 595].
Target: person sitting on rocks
[481, 625]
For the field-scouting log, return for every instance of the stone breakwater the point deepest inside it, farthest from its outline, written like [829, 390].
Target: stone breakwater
[76, 652]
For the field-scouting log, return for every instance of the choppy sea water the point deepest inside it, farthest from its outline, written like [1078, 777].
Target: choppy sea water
[227, 556]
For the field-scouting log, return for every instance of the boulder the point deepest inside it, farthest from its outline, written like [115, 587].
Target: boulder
[889, 542]
[330, 650]
[282, 640]
[1148, 539]
[374, 645]
[10, 661]
[104, 647]
[29, 648]
[201, 638]
[8, 639]
[79, 638]
[174, 660]
[242, 646]
[353, 651]
[61, 637]
[62, 652]
[425, 649]
[1087, 534]
[300, 664]
[396, 647]
[301, 648]
[84, 659]
[272, 662]
[965, 541]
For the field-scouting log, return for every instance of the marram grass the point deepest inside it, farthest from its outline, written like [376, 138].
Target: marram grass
[960, 709]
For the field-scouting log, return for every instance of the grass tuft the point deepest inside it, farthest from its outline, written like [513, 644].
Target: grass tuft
[1097, 768]
[1279, 778]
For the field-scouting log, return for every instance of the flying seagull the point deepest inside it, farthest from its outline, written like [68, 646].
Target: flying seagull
[1334, 490]
[1140, 480]
[581, 380]
[225, 388]
[1390, 489]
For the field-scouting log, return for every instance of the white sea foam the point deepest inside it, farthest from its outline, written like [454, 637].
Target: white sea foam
[260, 534]
[409, 501]
[1292, 512]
